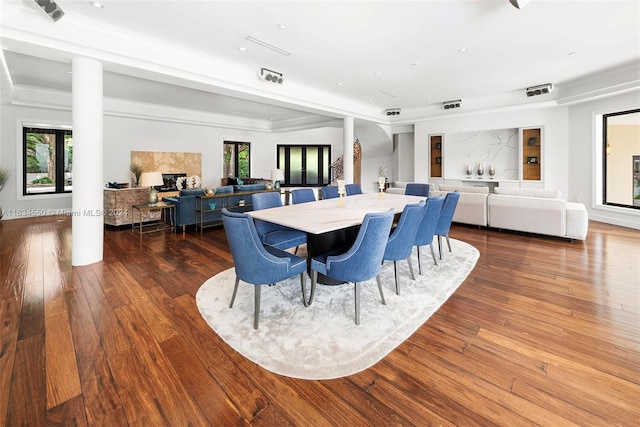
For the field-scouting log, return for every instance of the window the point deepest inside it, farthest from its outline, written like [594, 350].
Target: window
[236, 159]
[305, 165]
[47, 160]
[621, 159]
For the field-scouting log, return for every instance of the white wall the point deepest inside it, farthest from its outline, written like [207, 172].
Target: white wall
[584, 148]
[553, 120]
[123, 135]
[11, 200]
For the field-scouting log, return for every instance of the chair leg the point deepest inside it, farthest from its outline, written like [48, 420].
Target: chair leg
[256, 312]
[235, 289]
[433, 254]
[413, 277]
[380, 289]
[357, 301]
[395, 274]
[440, 246]
[314, 278]
[420, 263]
[303, 281]
[448, 242]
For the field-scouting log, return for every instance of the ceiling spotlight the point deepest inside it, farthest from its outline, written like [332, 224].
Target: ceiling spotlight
[270, 76]
[452, 104]
[519, 4]
[393, 112]
[50, 8]
[539, 90]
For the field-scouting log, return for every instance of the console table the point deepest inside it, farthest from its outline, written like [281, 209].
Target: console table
[165, 222]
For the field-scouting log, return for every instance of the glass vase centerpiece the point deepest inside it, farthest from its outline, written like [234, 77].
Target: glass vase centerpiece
[480, 170]
[381, 184]
[341, 191]
[492, 171]
[469, 171]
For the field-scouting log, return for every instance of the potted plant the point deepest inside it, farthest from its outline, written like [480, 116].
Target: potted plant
[4, 177]
[136, 169]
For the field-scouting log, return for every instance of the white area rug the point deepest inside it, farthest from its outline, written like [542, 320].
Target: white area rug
[322, 341]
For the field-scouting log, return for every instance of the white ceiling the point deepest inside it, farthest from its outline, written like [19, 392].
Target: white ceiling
[344, 54]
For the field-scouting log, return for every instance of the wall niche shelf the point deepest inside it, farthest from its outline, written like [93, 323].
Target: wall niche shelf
[435, 145]
[531, 154]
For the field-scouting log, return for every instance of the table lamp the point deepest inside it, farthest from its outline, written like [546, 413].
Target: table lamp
[151, 180]
[277, 175]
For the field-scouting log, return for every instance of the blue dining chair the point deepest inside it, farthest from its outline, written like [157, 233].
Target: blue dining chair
[256, 263]
[427, 228]
[273, 234]
[446, 217]
[417, 189]
[302, 195]
[329, 192]
[353, 189]
[401, 240]
[362, 261]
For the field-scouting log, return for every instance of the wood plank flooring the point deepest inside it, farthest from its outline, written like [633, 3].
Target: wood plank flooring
[542, 332]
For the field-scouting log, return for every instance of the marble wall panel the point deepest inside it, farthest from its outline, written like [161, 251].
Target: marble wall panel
[169, 162]
[494, 147]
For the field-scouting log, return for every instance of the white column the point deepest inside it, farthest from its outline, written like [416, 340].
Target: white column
[87, 203]
[347, 148]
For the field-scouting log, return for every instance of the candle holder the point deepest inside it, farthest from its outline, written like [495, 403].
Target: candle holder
[480, 170]
[381, 185]
[341, 192]
[492, 171]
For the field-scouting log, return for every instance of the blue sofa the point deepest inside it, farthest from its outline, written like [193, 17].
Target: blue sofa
[188, 209]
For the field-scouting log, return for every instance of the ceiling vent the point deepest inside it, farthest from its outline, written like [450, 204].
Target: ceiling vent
[539, 90]
[270, 76]
[452, 104]
[50, 8]
[393, 112]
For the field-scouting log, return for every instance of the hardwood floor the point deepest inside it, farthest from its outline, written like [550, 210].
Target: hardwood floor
[542, 332]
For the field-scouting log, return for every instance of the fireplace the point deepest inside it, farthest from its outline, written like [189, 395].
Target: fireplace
[170, 181]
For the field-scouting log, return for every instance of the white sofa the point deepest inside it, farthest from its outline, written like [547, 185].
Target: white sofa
[397, 187]
[472, 205]
[536, 211]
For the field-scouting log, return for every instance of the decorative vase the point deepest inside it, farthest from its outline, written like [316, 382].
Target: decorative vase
[480, 170]
[492, 171]
[153, 196]
[210, 191]
[469, 171]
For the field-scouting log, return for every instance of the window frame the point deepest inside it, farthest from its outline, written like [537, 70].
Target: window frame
[604, 154]
[325, 175]
[61, 131]
[236, 160]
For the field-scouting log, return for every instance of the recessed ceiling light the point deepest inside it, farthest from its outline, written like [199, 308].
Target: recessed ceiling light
[97, 4]
[463, 50]
[573, 53]
[413, 64]
[377, 73]
[339, 83]
[282, 27]
[242, 48]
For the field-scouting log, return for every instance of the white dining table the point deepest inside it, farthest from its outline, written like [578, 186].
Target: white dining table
[333, 224]
[329, 215]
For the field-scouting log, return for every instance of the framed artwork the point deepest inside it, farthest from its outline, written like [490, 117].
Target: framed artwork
[532, 160]
[533, 140]
[438, 145]
[438, 160]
